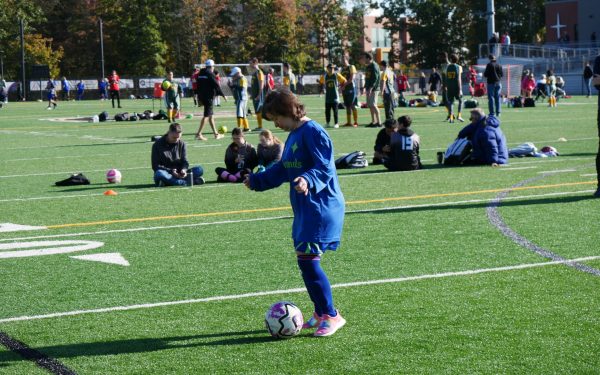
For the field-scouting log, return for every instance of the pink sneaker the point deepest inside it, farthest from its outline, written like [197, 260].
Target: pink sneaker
[313, 322]
[329, 325]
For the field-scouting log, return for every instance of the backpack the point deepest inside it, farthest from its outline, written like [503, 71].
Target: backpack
[122, 116]
[75, 179]
[133, 117]
[471, 103]
[402, 102]
[457, 152]
[352, 160]
[529, 102]
[103, 116]
[517, 102]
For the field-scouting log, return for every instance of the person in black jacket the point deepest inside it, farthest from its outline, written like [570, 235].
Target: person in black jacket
[588, 73]
[493, 73]
[169, 161]
[434, 81]
[382, 147]
[404, 146]
[208, 88]
[240, 159]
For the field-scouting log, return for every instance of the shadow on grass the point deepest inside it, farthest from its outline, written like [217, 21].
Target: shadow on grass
[145, 345]
[508, 203]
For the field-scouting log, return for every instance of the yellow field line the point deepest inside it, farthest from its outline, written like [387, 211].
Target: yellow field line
[256, 210]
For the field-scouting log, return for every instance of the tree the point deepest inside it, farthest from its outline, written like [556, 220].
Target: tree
[39, 50]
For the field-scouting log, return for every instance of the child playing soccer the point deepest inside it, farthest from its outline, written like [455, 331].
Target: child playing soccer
[308, 165]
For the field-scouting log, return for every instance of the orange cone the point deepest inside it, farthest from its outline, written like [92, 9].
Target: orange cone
[110, 192]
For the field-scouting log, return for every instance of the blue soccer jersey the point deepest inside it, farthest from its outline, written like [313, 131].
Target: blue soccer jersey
[308, 153]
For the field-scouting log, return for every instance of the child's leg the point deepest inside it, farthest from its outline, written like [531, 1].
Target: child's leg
[317, 284]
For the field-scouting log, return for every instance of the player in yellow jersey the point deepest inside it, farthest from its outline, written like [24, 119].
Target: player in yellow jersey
[289, 79]
[350, 92]
[257, 86]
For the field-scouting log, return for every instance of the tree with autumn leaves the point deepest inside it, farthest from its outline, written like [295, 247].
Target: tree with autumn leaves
[144, 37]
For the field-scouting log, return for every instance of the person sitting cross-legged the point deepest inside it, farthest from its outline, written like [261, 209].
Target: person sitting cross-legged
[382, 147]
[169, 161]
[404, 148]
[487, 139]
[240, 159]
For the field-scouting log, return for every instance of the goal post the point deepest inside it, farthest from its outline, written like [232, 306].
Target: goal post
[225, 69]
[511, 78]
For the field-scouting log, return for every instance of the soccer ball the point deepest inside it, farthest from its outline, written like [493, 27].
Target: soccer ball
[284, 320]
[113, 176]
[165, 85]
[222, 129]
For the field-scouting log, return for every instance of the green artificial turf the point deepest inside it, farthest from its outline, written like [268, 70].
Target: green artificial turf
[224, 240]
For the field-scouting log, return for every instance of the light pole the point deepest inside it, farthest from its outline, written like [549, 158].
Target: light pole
[23, 91]
[101, 47]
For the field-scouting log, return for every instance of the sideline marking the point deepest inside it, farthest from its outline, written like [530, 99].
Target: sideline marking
[295, 290]
[392, 208]
[110, 258]
[48, 248]
[517, 168]
[558, 171]
[40, 359]
[286, 208]
[10, 227]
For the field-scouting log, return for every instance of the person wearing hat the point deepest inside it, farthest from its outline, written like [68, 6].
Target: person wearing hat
[208, 88]
[493, 73]
[487, 139]
[331, 81]
[239, 87]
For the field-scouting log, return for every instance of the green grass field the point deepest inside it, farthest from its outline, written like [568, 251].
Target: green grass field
[452, 293]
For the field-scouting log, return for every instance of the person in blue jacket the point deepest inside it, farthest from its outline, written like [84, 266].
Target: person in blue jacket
[487, 139]
[307, 163]
[80, 89]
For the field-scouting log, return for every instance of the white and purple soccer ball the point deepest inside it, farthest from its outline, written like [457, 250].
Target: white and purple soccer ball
[113, 176]
[284, 320]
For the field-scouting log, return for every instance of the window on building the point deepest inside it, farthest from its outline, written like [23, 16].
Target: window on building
[380, 37]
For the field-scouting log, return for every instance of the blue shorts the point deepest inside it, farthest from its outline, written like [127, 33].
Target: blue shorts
[315, 248]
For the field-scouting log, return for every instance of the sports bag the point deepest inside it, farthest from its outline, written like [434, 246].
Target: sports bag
[352, 160]
[529, 102]
[103, 116]
[122, 116]
[457, 152]
[75, 179]
[471, 103]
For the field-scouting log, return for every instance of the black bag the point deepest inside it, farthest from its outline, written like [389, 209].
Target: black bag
[458, 151]
[517, 102]
[471, 103]
[75, 179]
[103, 116]
[529, 102]
[133, 117]
[352, 160]
[122, 116]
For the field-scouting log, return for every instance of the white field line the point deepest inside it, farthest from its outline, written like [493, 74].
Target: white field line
[294, 290]
[517, 168]
[557, 171]
[405, 207]
[589, 175]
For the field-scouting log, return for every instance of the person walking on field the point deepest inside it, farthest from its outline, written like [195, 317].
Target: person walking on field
[113, 88]
[208, 88]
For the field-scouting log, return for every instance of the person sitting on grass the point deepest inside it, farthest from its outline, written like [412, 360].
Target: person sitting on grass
[240, 159]
[269, 150]
[487, 139]
[404, 148]
[382, 147]
[169, 161]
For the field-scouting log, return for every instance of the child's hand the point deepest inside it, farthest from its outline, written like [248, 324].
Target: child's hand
[301, 185]
[247, 181]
